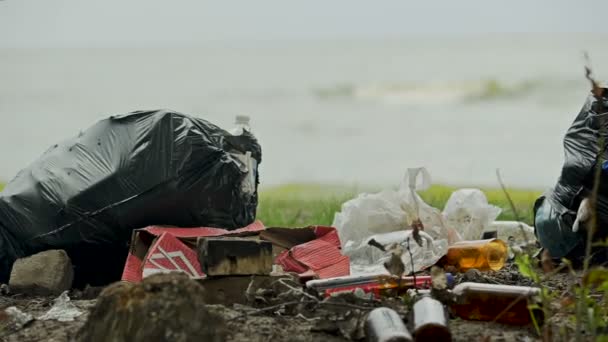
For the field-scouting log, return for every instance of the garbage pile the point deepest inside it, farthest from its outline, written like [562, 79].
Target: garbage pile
[87, 194]
[377, 227]
[159, 193]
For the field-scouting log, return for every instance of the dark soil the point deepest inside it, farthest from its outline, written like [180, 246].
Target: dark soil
[308, 321]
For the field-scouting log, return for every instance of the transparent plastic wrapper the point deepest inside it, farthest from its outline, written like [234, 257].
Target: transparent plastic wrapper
[468, 212]
[513, 232]
[387, 217]
[17, 318]
[366, 259]
[63, 310]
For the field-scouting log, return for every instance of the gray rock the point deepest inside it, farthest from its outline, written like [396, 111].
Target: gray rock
[46, 273]
[164, 307]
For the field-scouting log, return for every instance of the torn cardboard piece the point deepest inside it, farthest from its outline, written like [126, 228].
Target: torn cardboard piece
[319, 257]
[158, 249]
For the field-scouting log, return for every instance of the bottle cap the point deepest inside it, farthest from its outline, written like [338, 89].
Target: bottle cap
[242, 119]
[450, 279]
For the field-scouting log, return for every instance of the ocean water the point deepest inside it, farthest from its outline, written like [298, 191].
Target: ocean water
[348, 112]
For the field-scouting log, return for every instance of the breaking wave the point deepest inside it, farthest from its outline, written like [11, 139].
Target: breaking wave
[432, 92]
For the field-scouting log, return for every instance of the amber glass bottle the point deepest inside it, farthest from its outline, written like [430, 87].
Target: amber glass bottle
[488, 302]
[483, 255]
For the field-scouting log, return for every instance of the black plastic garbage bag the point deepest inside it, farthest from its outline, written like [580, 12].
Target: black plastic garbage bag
[555, 212]
[87, 194]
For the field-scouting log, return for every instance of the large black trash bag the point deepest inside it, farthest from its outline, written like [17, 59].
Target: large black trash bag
[556, 210]
[88, 193]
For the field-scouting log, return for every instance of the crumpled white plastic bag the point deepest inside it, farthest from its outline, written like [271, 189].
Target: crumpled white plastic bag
[63, 310]
[387, 217]
[513, 232]
[366, 259]
[468, 212]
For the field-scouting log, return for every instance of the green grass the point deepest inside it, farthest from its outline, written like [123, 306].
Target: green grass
[296, 205]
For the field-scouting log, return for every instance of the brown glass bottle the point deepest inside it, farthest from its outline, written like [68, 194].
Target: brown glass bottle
[483, 255]
[503, 303]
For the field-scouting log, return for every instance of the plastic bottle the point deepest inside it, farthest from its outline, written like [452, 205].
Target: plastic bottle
[385, 325]
[512, 231]
[430, 320]
[241, 126]
[488, 302]
[483, 255]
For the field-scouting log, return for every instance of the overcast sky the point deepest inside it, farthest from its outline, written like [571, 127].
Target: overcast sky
[144, 22]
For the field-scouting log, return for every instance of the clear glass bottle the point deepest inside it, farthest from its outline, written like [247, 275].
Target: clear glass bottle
[483, 255]
[488, 302]
[430, 320]
[385, 325]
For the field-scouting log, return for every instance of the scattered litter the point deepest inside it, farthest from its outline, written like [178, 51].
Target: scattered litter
[319, 257]
[63, 310]
[157, 249]
[387, 218]
[373, 228]
[518, 236]
[440, 280]
[4, 289]
[513, 232]
[17, 318]
[377, 285]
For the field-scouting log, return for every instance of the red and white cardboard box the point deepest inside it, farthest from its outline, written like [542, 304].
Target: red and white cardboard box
[159, 249]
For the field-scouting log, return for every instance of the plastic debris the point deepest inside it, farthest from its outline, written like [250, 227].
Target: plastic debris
[387, 217]
[63, 310]
[366, 259]
[401, 221]
[517, 235]
[18, 318]
[513, 232]
[468, 212]
[385, 325]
